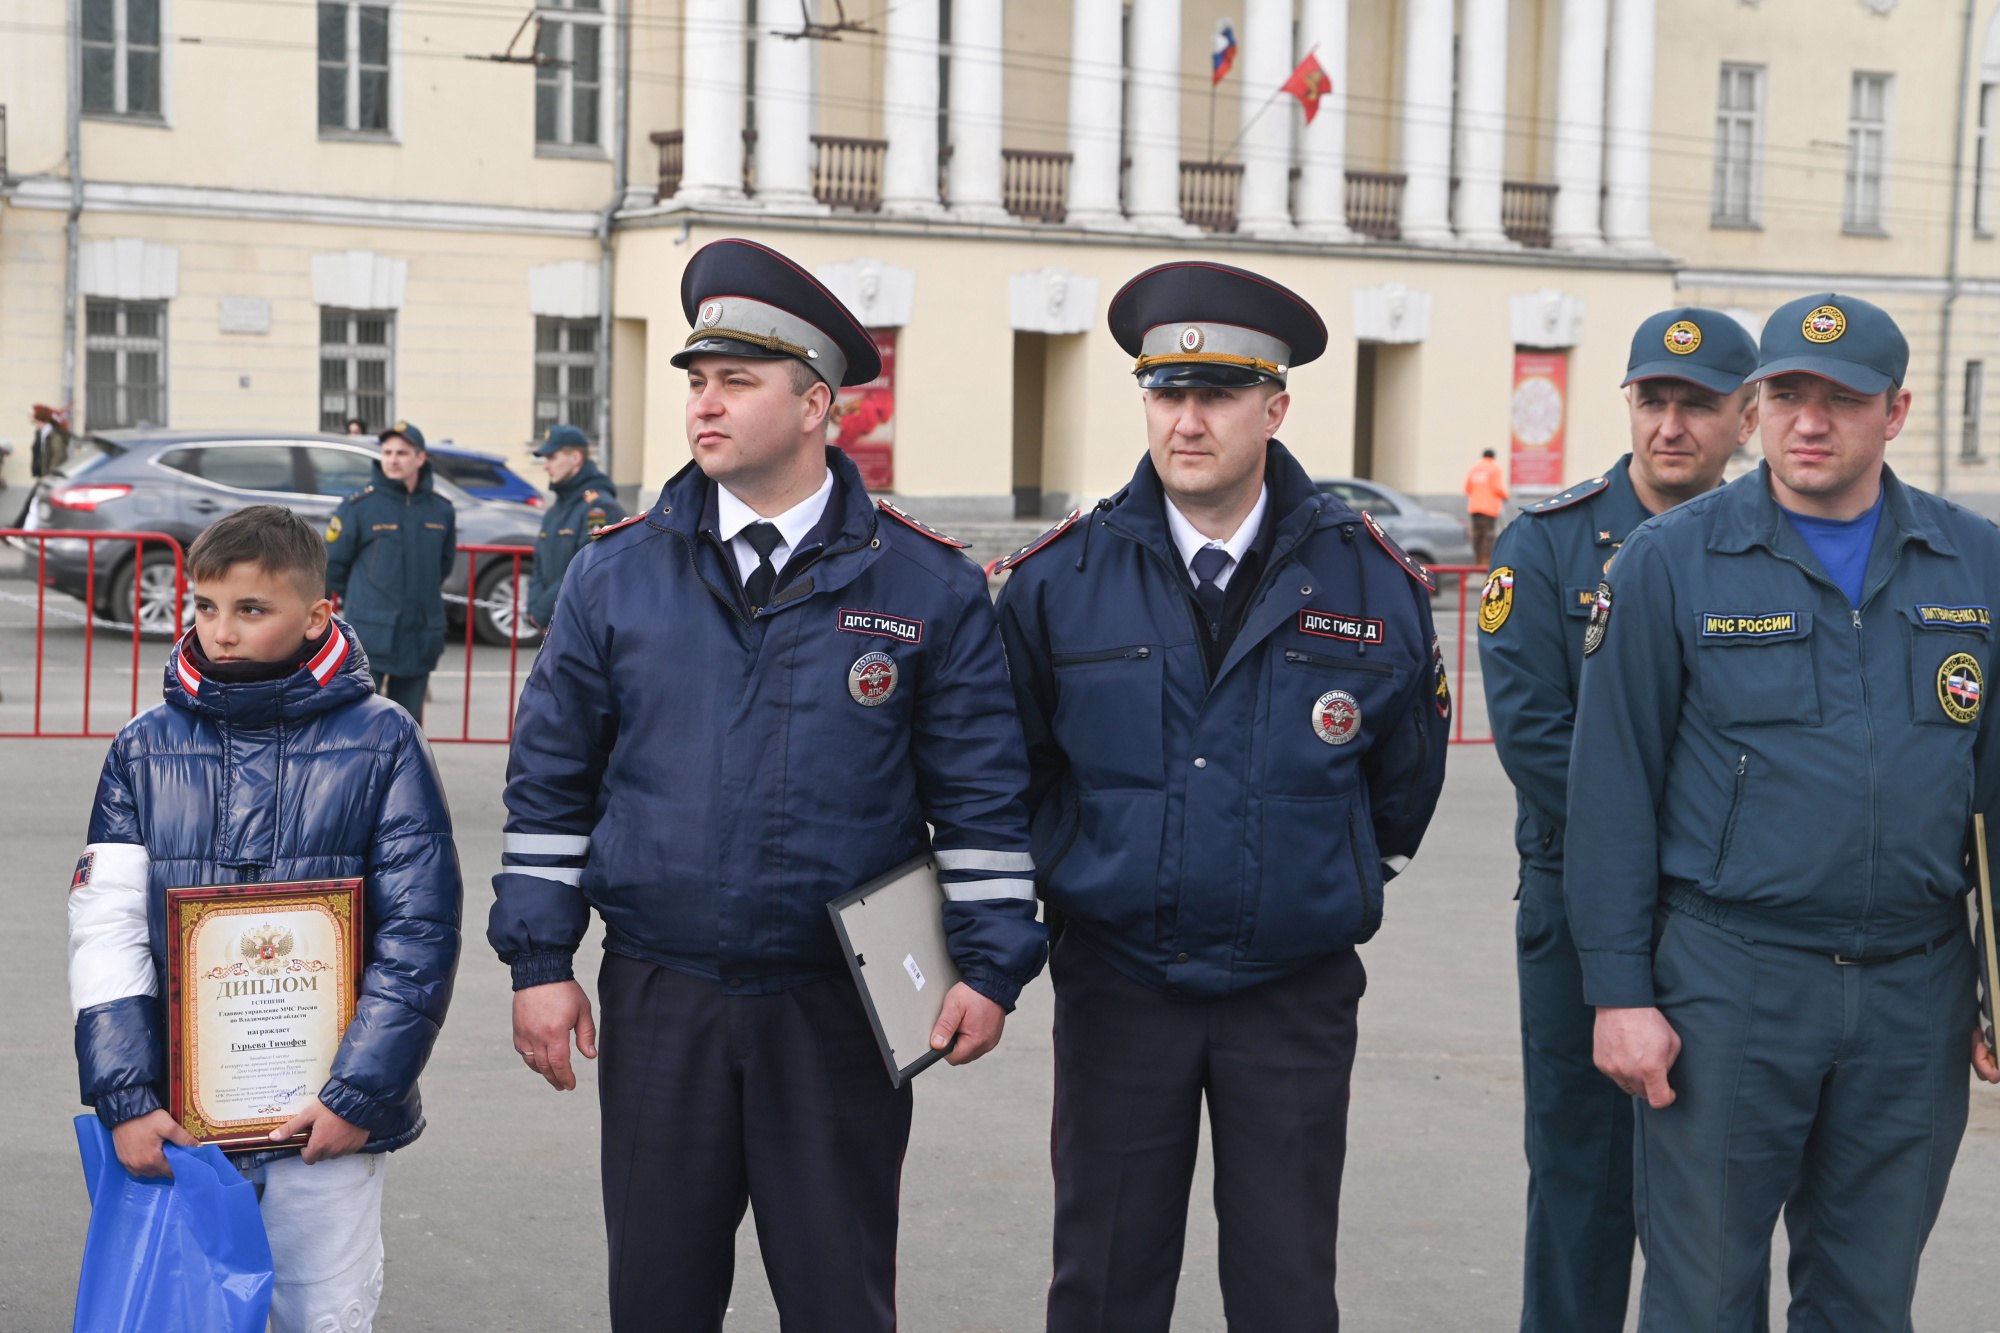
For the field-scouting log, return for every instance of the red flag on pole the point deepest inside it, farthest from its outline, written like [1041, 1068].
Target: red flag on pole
[1309, 83]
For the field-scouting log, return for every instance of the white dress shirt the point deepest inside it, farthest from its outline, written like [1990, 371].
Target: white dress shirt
[1188, 540]
[732, 516]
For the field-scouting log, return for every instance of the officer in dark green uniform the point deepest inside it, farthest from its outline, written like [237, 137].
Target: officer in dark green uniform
[584, 502]
[1688, 412]
[388, 549]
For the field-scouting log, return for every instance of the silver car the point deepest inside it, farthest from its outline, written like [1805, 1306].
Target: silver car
[1431, 538]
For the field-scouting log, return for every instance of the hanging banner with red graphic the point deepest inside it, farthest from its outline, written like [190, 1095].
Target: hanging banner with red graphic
[863, 420]
[1541, 401]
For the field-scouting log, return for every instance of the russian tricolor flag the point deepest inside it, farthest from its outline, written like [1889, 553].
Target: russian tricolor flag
[1225, 50]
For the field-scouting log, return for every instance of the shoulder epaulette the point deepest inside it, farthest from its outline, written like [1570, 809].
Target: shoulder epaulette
[1410, 567]
[999, 566]
[912, 521]
[1583, 490]
[610, 528]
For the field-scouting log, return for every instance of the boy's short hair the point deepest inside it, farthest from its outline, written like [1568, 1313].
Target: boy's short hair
[270, 537]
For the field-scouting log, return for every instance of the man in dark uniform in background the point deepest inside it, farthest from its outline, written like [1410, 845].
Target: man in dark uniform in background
[1780, 743]
[1689, 412]
[1236, 718]
[753, 699]
[389, 547]
[584, 502]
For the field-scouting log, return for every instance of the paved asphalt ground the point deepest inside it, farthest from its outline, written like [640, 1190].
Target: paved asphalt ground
[492, 1218]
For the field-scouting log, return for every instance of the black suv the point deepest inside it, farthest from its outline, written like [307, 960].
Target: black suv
[179, 482]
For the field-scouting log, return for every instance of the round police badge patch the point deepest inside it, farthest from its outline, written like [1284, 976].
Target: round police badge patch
[1600, 620]
[1683, 336]
[1959, 686]
[1824, 324]
[1336, 717]
[872, 679]
[1496, 599]
[1191, 339]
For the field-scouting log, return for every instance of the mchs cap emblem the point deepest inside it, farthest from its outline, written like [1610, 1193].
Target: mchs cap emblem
[1683, 336]
[1824, 324]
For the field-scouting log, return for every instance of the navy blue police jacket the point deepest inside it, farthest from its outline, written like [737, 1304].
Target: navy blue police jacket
[584, 503]
[1532, 614]
[709, 779]
[1756, 752]
[388, 550]
[1201, 833]
[310, 777]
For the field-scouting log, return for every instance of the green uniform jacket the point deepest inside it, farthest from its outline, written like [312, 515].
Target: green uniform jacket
[583, 504]
[388, 550]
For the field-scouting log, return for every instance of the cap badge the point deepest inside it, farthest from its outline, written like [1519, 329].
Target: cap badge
[1191, 339]
[1824, 324]
[1336, 717]
[711, 314]
[1958, 685]
[872, 679]
[1683, 336]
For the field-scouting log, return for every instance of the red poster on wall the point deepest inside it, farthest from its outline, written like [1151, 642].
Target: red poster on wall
[863, 421]
[1541, 400]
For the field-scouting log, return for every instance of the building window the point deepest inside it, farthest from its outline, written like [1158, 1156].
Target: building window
[1974, 415]
[1867, 153]
[1739, 145]
[357, 368]
[1982, 174]
[566, 375]
[125, 363]
[569, 88]
[353, 67]
[121, 57]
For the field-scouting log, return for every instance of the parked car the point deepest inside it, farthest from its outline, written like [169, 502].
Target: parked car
[484, 476]
[178, 482]
[1431, 538]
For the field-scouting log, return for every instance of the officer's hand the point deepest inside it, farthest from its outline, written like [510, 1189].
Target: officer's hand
[975, 1020]
[543, 1019]
[138, 1142]
[1635, 1048]
[1983, 1063]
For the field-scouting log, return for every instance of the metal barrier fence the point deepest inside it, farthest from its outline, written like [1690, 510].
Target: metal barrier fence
[519, 606]
[1467, 595]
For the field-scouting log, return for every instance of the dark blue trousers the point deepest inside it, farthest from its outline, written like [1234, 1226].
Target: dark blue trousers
[1835, 1093]
[1132, 1069]
[408, 691]
[1578, 1271]
[713, 1101]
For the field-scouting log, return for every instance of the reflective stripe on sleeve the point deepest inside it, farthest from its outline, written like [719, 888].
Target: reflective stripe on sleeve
[548, 844]
[977, 859]
[560, 874]
[979, 890]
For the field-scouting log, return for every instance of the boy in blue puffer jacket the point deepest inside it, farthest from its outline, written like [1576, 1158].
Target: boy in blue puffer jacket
[272, 759]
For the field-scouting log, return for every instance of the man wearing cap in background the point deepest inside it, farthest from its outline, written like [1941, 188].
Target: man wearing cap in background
[1689, 410]
[389, 547]
[1780, 742]
[753, 699]
[585, 501]
[1236, 714]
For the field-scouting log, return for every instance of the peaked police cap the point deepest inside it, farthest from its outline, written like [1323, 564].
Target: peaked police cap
[747, 300]
[1210, 325]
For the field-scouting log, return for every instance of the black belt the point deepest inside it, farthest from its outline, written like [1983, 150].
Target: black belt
[1872, 959]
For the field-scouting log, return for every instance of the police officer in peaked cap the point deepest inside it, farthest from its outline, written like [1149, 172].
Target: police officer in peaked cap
[1780, 744]
[1689, 410]
[585, 501]
[1236, 720]
[755, 697]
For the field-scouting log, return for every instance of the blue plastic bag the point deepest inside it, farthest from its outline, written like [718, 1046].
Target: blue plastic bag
[186, 1255]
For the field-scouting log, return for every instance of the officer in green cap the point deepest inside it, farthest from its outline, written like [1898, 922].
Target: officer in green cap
[1780, 744]
[584, 504]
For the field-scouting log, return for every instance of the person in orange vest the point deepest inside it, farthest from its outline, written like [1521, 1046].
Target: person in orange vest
[1485, 492]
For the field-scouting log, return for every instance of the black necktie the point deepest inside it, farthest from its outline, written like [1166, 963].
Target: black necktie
[1208, 564]
[764, 538]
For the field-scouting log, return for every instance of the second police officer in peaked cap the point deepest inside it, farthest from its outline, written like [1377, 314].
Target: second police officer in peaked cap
[1236, 721]
[1689, 410]
[1780, 744]
[585, 501]
[754, 697]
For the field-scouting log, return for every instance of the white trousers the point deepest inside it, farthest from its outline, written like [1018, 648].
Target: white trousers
[325, 1225]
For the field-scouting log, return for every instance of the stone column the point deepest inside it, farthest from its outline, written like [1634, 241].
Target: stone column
[1153, 190]
[1426, 122]
[1096, 112]
[784, 116]
[711, 102]
[1579, 151]
[1482, 122]
[1263, 205]
[1322, 202]
[976, 38]
[910, 109]
[1628, 129]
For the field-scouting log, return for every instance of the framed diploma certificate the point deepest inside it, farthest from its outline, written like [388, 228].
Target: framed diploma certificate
[261, 981]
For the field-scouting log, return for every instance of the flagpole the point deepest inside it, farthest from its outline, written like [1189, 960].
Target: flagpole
[1213, 84]
[1262, 109]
